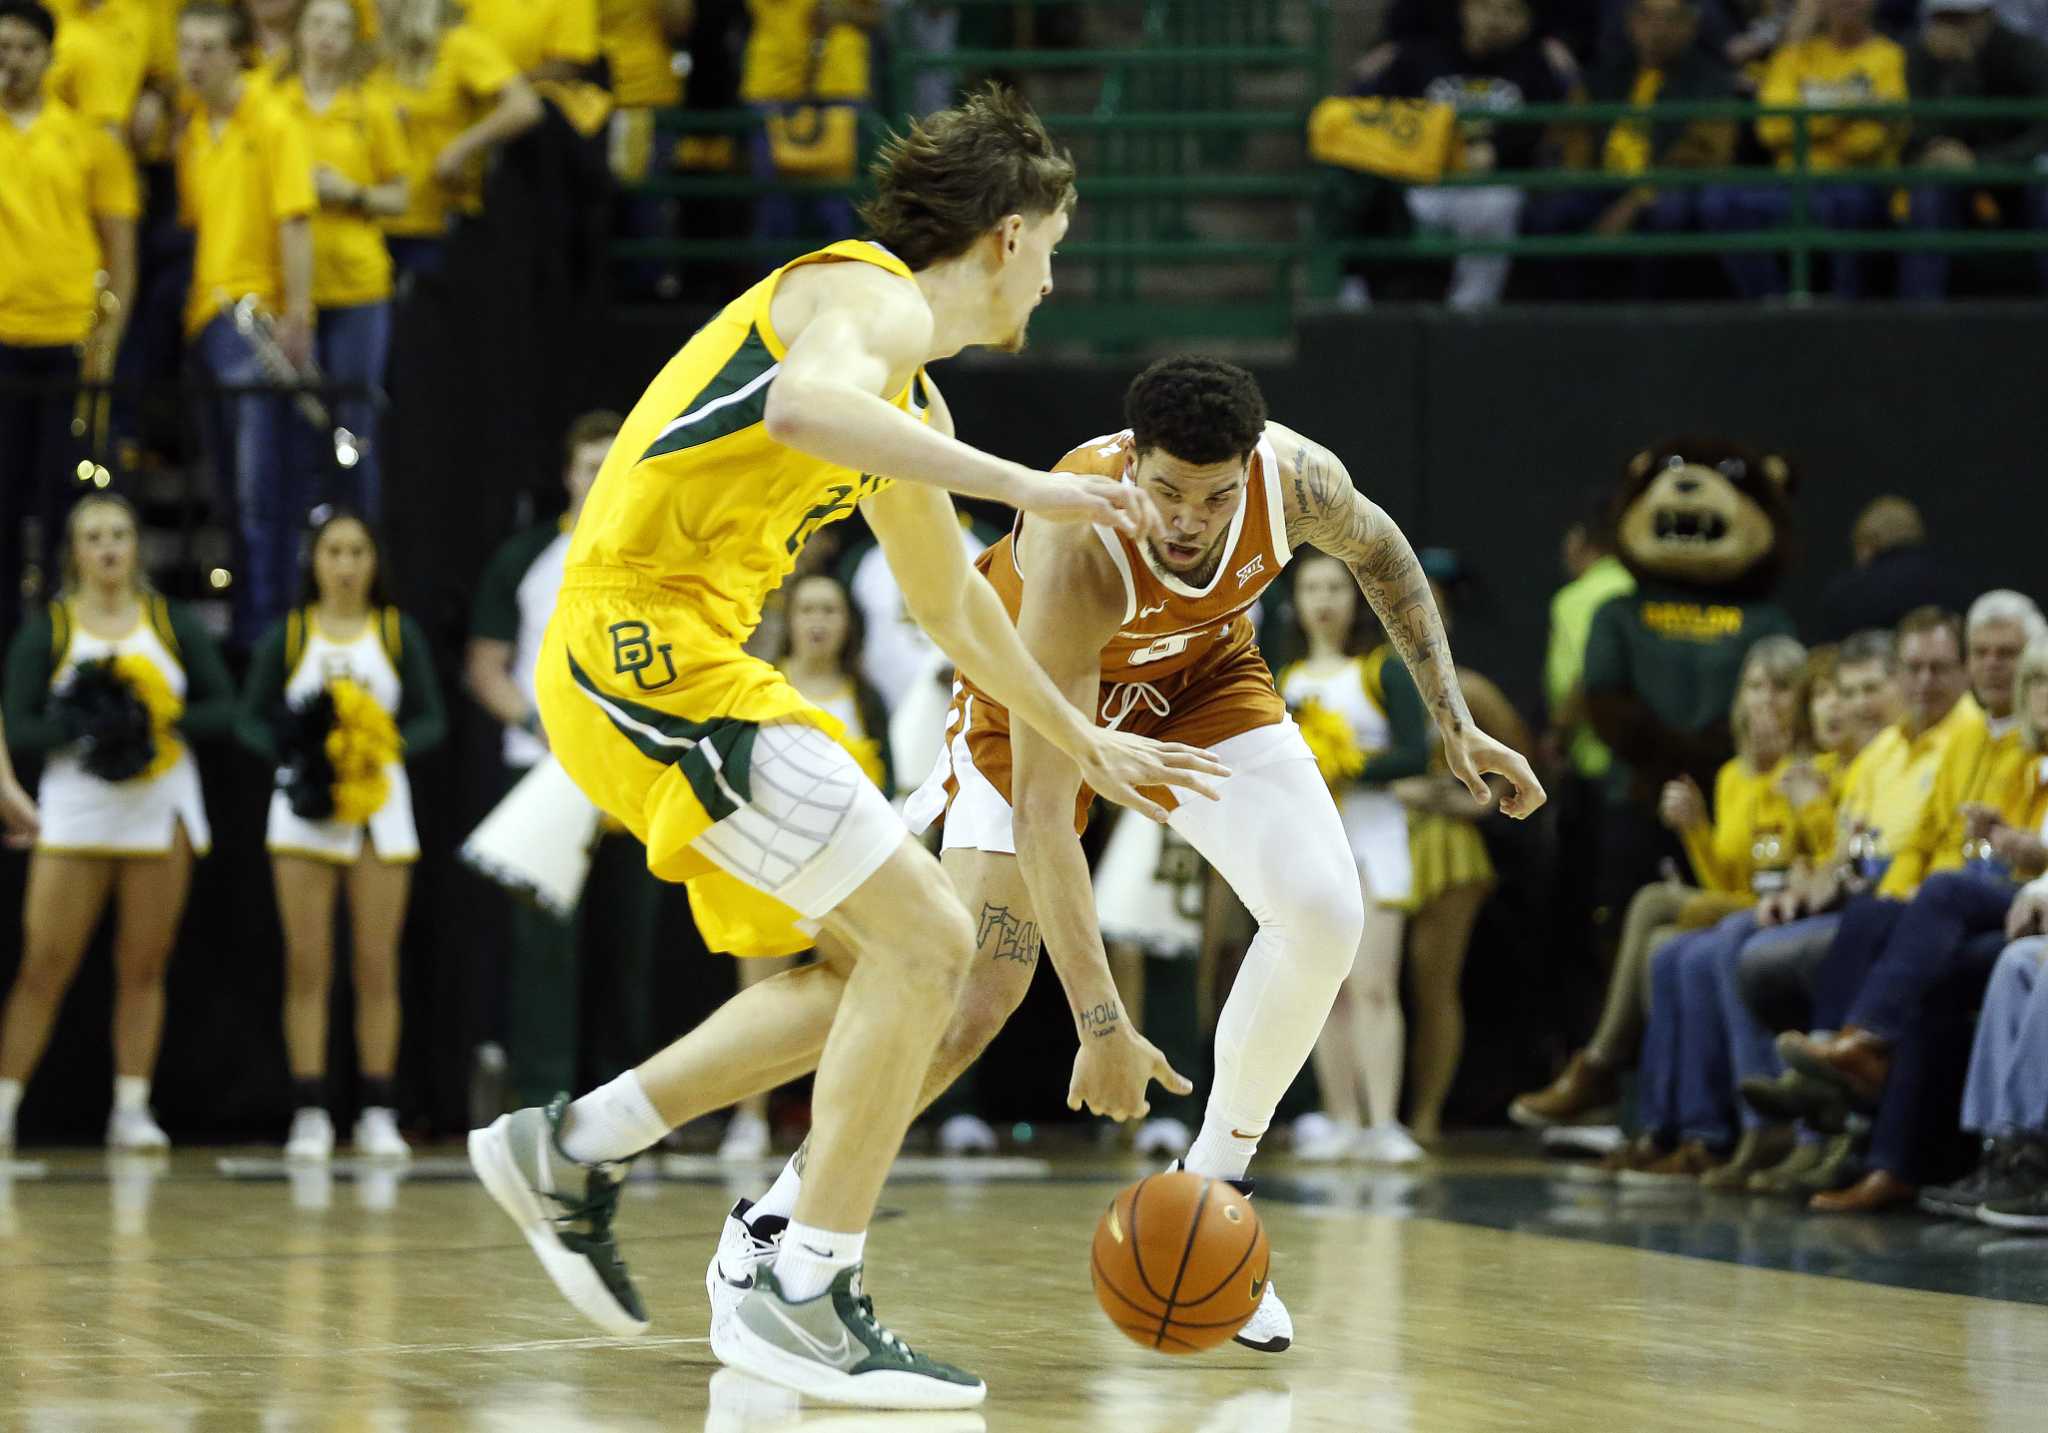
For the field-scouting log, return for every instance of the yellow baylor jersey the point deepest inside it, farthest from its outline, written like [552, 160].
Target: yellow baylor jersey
[695, 495]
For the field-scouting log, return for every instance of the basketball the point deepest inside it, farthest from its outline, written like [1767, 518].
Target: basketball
[1179, 1262]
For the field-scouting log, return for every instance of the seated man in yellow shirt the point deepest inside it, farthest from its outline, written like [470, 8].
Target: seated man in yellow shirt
[1844, 64]
[67, 213]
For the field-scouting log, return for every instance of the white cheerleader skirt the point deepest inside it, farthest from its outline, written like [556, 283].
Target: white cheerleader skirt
[85, 816]
[1376, 825]
[1136, 905]
[391, 834]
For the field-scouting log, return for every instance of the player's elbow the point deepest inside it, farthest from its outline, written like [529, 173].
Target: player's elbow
[788, 414]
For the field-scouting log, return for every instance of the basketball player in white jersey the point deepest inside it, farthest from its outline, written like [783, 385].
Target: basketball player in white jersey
[1153, 636]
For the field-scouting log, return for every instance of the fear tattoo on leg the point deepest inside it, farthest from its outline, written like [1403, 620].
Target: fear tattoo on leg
[1004, 937]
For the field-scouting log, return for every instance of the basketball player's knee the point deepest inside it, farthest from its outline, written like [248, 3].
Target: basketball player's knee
[1325, 922]
[935, 959]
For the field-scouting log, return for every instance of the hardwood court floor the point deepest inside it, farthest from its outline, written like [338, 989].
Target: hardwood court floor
[1476, 1298]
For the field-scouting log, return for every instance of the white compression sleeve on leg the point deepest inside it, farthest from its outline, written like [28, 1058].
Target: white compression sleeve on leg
[1274, 834]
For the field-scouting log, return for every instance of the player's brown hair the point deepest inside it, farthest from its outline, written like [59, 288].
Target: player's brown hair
[599, 425]
[956, 173]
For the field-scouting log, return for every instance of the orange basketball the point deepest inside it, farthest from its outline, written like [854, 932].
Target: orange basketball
[1179, 1262]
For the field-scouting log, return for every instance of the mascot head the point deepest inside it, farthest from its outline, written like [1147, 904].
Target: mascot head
[1705, 513]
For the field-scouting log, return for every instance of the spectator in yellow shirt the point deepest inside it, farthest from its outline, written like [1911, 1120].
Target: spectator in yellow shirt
[639, 40]
[554, 44]
[1843, 65]
[359, 172]
[102, 48]
[459, 97]
[67, 274]
[245, 185]
[805, 55]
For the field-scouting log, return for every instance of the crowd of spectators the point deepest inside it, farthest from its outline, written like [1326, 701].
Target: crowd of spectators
[1800, 1002]
[1485, 59]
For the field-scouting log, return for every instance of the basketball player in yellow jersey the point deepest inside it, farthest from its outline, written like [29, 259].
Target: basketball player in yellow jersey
[1155, 636]
[773, 420]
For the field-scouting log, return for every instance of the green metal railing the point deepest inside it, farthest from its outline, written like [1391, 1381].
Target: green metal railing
[1168, 132]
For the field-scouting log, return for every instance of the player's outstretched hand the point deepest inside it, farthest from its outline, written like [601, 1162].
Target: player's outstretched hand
[1113, 1069]
[1082, 497]
[1474, 756]
[1117, 763]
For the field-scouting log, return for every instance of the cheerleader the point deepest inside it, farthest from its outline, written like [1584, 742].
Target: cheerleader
[109, 685]
[1366, 722]
[342, 821]
[823, 644]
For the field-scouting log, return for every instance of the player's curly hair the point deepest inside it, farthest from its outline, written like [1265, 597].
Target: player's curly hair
[1201, 410]
[956, 173]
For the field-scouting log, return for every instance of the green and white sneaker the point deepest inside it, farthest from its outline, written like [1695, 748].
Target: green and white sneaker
[564, 1208]
[833, 1349]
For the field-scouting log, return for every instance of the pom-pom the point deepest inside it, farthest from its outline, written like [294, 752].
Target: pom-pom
[361, 747]
[1330, 738]
[336, 749]
[121, 712]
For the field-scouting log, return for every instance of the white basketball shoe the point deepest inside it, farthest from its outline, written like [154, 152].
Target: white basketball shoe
[742, 1249]
[1271, 1327]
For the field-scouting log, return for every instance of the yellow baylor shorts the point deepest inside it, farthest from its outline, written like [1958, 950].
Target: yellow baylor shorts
[738, 786]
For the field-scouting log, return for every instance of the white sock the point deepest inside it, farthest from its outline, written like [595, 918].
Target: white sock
[614, 1121]
[131, 1095]
[811, 1258]
[781, 1196]
[1220, 1151]
[10, 1101]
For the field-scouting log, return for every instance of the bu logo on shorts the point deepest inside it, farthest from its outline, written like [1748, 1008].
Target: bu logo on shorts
[634, 654]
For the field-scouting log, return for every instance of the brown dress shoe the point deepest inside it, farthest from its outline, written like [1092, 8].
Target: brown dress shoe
[1761, 1148]
[1876, 1192]
[1639, 1152]
[1853, 1060]
[1585, 1093]
[1683, 1165]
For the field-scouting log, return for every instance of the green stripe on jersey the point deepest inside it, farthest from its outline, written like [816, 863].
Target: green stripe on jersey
[719, 407]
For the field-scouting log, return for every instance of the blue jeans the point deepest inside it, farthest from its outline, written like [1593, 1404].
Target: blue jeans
[1860, 941]
[1752, 1046]
[266, 494]
[1931, 932]
[1774, 974]
[784, 214]
[1685, 1084]
[1834, 206]
[2008, 1085]
[1924, 275]
[354, 345]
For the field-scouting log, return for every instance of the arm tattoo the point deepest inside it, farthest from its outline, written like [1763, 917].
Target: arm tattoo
[1337, 519]
[1005, 937]
[1099, 1020]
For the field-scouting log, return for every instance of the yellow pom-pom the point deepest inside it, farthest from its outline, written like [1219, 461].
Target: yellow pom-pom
[1330, 738]
[164, 706]
[361, 745]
